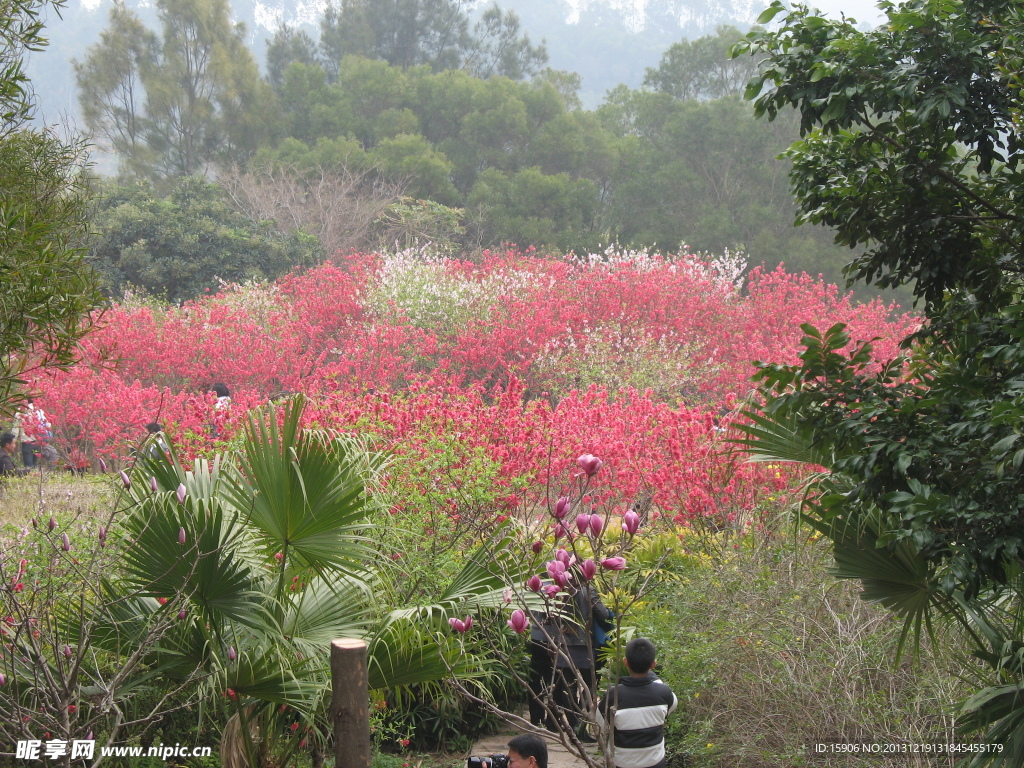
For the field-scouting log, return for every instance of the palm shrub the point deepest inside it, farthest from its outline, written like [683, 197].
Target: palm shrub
[225, 583]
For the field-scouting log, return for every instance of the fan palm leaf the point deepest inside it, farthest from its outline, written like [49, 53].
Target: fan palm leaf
[303, 494]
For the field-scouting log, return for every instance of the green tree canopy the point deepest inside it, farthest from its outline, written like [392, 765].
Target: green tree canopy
[179, 245]
[48, 292]
[412, 33]
[172, 104]
[702, 68]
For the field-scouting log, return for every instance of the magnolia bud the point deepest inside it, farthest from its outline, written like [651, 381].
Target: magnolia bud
[589, 569]
[519, 623]
[152, 484]
[630, 522]
[103, 465]
[182, 493]
[534, 583]
[182, 538]
[125, 479]
[232, 654]
[65, 542]
[561, 507]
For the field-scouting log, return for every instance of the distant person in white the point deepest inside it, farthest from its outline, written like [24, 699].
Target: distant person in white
[638, 707]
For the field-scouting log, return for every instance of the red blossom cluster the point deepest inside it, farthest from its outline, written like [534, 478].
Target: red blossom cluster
[470, 354]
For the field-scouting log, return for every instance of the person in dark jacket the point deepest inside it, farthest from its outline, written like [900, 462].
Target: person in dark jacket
[7, 449]
[637, 709]
[562, 653]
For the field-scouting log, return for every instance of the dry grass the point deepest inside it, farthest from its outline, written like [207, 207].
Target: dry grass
[770, 654]
[60, 493]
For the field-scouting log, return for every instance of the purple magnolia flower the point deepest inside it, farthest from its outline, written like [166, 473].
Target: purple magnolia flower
[555, 566]
[3, 679]
[182, 614]
[614, 563]
[552, 590]
[561, 579]
[561, 507]
[182, 538]
[182, 493]
[583, 522]
[65, 542]
[560, 531]
[519, 623]
[537, 546]
[589, 569]
[51, 524]
[590, 464]
[563, 556]
[152, 483]
[103, 466]
[461, 626]
[596, 524]
[630, 522]
[232, 653]
[68, 653]
[506, 594]
[534, 583]
[125, 479]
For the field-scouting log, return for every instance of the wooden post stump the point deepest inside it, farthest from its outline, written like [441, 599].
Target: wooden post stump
[350, 704]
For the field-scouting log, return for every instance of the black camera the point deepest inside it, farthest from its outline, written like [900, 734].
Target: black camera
[491, 761]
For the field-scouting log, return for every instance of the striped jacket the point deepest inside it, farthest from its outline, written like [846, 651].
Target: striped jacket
[640, 706]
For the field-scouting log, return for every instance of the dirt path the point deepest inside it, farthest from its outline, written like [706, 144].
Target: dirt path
[558, 756]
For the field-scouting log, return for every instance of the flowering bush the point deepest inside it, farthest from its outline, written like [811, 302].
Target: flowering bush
[517, 357]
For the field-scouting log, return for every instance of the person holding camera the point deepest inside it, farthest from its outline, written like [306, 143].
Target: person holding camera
[526, 750]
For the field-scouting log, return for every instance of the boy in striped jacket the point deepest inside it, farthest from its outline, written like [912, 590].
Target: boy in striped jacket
[638, 707]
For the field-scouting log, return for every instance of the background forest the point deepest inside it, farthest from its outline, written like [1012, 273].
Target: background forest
[415, 126]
